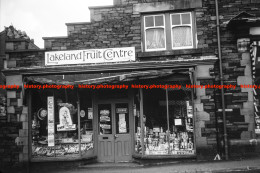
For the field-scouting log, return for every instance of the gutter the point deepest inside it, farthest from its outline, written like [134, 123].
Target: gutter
[221, 82]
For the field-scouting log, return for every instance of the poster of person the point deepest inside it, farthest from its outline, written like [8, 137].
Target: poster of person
[65, 120]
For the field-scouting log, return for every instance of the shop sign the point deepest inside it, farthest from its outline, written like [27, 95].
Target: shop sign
[90, 56]
[121, 110]
[51, 139]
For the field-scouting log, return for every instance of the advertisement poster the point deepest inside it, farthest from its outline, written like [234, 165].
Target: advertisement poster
[90, 113]
[122, 123]
[51, 139]
[66, 123]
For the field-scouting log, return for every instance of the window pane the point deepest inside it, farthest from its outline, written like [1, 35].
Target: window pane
[155, 122]
[176, 19]
[122, 118]
[136, 112]
[54, 124]
[159, 21]
[86, 123]
[149, 22]
[181, 121]
[104, 113]
[181, 36]
[185, 18]
[155, 38]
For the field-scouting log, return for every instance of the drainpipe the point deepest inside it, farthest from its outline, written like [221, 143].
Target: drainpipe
[221, 82]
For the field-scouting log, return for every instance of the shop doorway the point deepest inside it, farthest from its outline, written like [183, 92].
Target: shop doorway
[114, 139]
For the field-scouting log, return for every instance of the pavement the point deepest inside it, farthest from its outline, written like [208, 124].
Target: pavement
[251, 165]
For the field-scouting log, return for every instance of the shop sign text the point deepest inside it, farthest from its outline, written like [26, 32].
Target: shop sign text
[90, 56]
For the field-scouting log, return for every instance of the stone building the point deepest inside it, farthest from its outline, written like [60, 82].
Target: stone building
[12, 41]
[141, 80]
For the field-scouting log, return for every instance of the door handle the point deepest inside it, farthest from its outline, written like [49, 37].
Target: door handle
[116, 136]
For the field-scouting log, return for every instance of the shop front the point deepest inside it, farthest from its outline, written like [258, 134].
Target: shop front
[145, 114]
[105, 105]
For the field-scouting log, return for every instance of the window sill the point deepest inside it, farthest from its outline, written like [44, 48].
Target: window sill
[138, 156]
[169, 53]
[62, 159]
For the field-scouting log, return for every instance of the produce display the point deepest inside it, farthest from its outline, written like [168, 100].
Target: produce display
[60, 149]
[178, 140]
[66, 138]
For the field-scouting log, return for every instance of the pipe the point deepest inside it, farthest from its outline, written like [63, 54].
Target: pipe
[221, 82]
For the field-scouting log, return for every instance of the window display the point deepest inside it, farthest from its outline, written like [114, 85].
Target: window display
[164, 135]
[55, 126]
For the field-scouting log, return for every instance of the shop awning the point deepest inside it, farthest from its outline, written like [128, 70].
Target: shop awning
[108, 78]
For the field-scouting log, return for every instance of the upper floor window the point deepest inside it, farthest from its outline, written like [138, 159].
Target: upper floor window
[154, 28]
[168, 31]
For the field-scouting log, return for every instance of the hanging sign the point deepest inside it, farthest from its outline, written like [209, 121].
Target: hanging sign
[65, 120]
[51, 139]
[90, 56]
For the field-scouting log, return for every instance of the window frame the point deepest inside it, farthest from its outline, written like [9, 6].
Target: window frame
[168, 31]
[154, 27]
[190, 25]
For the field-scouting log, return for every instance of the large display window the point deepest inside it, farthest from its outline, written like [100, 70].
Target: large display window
[61, 125]
[167, 121]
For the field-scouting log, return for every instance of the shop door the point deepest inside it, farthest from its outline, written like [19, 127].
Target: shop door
[114, 140]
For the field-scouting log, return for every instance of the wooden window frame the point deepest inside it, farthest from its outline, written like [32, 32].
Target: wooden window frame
[180, 25]
[154, 27]
[168, 31]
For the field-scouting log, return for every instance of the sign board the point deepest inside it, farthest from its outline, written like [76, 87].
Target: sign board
[121, 110]
[88, 56]
[51, 138]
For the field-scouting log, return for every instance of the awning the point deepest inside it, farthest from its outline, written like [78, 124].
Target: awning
[243, 19]
[109, 78]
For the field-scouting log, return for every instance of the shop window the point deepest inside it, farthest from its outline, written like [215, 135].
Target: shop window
[164, 134]
[58, 128]
[168, 31]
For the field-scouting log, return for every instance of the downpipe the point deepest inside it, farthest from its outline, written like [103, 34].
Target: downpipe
[221, 82]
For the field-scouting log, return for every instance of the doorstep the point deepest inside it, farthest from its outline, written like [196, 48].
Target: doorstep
[112, 165]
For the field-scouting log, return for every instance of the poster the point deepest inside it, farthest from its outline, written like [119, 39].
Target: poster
[51, 139]
[122, 123]
[90, 113]
[178, 122]
[66, 123]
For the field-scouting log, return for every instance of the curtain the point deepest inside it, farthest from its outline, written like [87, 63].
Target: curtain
[181, 36]
[155, 38]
